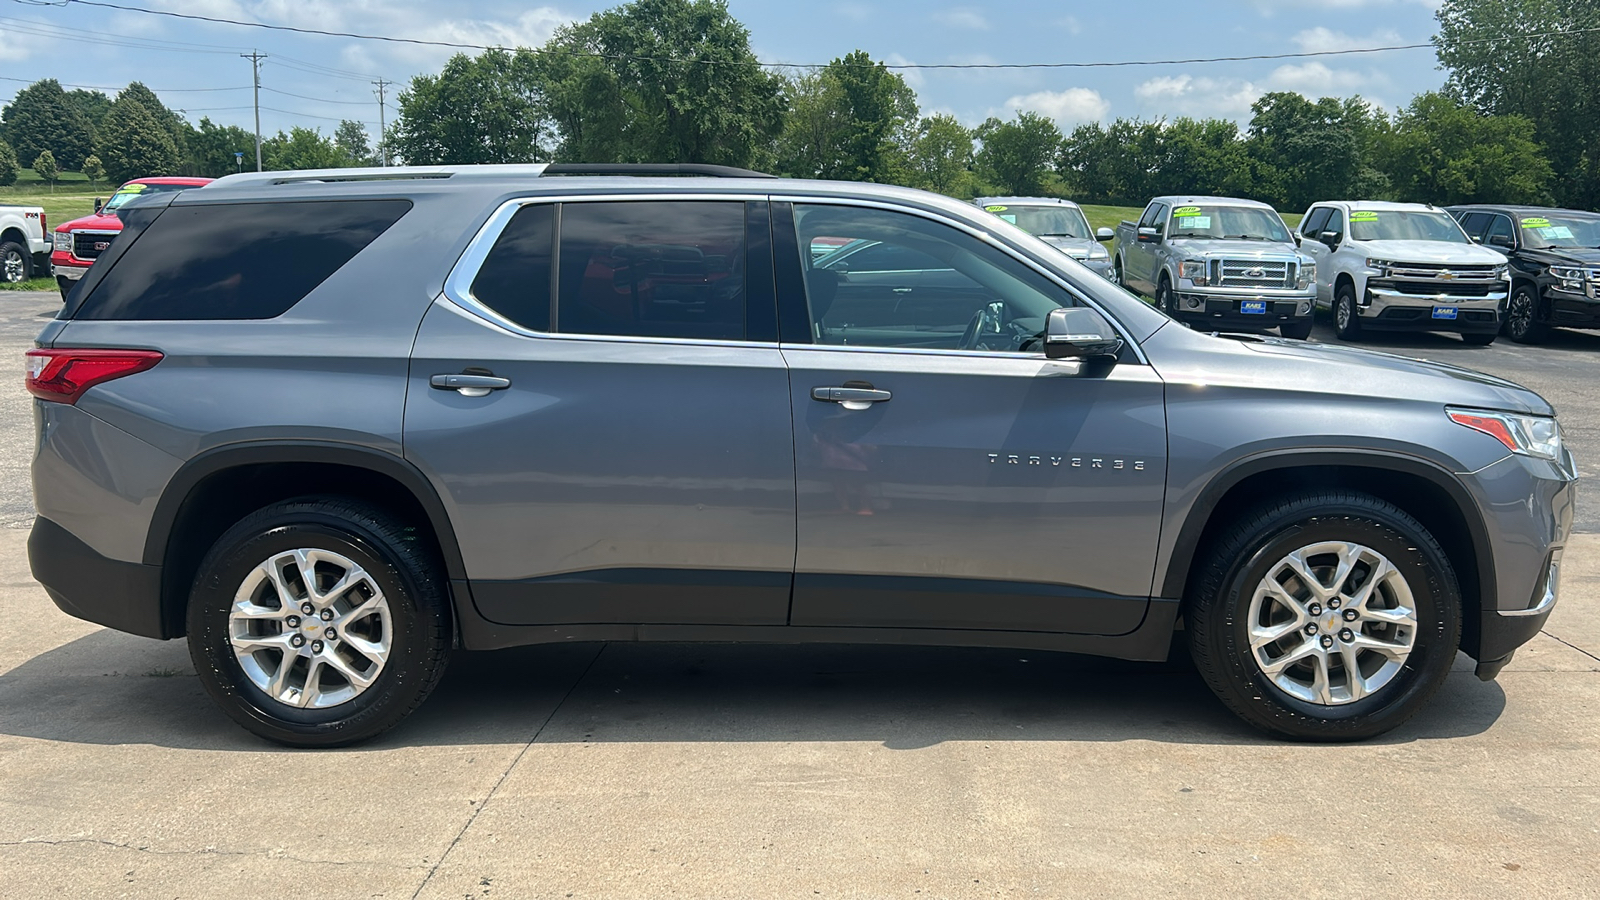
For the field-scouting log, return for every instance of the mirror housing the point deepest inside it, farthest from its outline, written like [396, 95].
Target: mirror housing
[1331, 238]
[1502, 240]
[1298, 240]
[99, 204]
[1104, 234]
[1078, 332]
[1149, 234]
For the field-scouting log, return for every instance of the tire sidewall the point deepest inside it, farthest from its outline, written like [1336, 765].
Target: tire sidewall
[1530, 327]
[1345, 299]
[11, 247]
[223, 571]
[1433, 590]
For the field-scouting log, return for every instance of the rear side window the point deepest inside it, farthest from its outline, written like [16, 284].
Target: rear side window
[237, 260]
[667, 268]
[514, 280]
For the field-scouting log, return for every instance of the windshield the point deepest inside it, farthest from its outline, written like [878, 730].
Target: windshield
[1565, 230]
[1046, 221]
[1404, 225]
[1238, 223]
[129, 191]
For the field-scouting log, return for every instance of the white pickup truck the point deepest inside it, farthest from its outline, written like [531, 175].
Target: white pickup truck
[1403, 267]
[24, 243]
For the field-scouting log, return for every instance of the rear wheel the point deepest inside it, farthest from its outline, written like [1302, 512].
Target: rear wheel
[318, 622]
[1329, 616]
[1346, 317]
[16, 265]
[1522, 317]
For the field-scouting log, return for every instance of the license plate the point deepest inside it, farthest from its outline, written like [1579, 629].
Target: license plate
[1445, 312]
[1253, 307]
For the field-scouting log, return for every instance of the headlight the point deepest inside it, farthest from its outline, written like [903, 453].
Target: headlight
[1099, 252]
[1308, 274]
[1571, 278]
[64, 241]
[1382, 265]
[1536, 436]
[1194, 270]
[1501, 271]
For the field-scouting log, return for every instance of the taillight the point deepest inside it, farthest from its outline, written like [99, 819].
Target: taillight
[63, 375]
[44, 224]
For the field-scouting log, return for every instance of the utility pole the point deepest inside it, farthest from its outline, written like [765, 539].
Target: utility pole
[255, 57]
[383, 145]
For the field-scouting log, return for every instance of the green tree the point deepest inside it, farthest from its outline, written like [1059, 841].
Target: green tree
[1203, 156]
[940, 158]
[40, 118]
[1444, 152]
[852, 120]
[92, 105]
[212, 148]
[1550, 81]
[660, 81]
[92, 169]
[1304, 151]
[301, 148]
[8, 165]
[47, 170]
[484, 109]
[1116, 163]
[1017, 155]
[134, 144]
[351, 140]
[176, 125]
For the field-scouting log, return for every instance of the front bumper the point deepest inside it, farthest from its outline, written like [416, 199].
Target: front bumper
[1386, 309]
[1212, 310]
[63, 265]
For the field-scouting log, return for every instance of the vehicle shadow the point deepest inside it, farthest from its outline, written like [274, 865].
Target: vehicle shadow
[110, 688]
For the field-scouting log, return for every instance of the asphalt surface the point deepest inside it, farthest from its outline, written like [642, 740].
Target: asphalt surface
[740, 771]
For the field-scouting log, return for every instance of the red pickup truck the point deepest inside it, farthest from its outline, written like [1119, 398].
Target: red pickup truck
[79, 242]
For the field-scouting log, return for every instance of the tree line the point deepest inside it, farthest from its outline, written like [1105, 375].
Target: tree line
[676, 81]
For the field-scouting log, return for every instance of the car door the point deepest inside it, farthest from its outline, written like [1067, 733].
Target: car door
[623, 454]
[966, 482]
[1311, 227]
[1145, 261]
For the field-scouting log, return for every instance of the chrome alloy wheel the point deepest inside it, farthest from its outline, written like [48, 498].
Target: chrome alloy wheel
[310, 628]
[13, 268]
[1342, 313]
[1332, 622]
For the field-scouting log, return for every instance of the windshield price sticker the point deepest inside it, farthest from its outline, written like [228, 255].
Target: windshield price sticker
[1186, 212]
[994, 209]
[1535, 223]
[1365, 215]
[1201, 222]
[1011, 218]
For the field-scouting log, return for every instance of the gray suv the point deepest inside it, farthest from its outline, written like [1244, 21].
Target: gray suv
[330, 426]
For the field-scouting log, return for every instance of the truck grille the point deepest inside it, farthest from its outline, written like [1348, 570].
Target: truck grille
[90, 244]
[1255, 273]
[1436, 288]
[1440, 272]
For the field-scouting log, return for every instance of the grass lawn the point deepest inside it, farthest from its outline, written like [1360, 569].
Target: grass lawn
[73, 195]
[32, 284]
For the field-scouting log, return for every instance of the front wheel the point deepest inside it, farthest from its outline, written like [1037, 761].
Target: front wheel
[1346, 317]
[319, 622]
[1165, 298]
[1328, 616]
[1522, 317]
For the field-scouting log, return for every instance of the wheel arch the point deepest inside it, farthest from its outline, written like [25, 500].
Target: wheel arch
[1426, 491]
[217, 488]
[14, 235]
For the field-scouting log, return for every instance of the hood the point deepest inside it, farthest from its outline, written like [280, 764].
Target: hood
[1578, 256]
[92, 222]
[1077, 248]
[1431, 252]
[1314, 368]
[1214, 247]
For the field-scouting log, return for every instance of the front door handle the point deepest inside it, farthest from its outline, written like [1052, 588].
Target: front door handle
[851, 397]
[469, 385]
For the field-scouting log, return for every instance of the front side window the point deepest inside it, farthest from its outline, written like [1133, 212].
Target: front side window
[1335, 223]
[1499, 227]
[1315, 223]
[1243, 223]
[667, 268]
[1405, 225]
[962, 294]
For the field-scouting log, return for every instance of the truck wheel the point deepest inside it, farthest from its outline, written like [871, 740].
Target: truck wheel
[1346, 318]
[1328, 616]
[1522, 317]
[16, 264]
[318, 622]
[1165, 299]
[66, 287]
[1296, 330]
[1116, 273]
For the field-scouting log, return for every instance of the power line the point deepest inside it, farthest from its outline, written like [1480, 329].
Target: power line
[107, 87]
[1306, 54]
[320, 99]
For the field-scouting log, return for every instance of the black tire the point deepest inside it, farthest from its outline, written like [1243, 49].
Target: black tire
[402, 567]
[1218, 613]
[66, 288]
[1346, 315]
[16, 263]
[1165, 299]
[1522, 317]
[1298, 331]
[1478, 339]
[1116, 274]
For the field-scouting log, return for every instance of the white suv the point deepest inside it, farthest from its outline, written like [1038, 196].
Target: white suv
[1403, 267]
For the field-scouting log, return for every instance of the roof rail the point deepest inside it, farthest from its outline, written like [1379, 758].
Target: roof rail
[386, 173]
[701, 169]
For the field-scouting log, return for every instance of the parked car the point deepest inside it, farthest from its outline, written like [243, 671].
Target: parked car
[80, 242]
[488, 407]
[1555, 265]
[1218, 263]
[1403, 267]
[24, 244]
[1059, 223]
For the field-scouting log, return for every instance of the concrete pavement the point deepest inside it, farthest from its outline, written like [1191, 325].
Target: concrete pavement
[743, 771]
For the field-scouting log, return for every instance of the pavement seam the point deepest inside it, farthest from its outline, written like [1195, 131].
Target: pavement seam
[1570, 644]
[507, 773]
[204, 851]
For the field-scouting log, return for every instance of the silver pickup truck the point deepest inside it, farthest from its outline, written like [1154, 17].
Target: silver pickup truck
[1218, 262]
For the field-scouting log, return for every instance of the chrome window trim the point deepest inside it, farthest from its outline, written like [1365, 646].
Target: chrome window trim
[987, 238]
[512, 329]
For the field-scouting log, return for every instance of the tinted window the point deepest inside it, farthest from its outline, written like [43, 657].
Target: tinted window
[1152, 214]
[868, 256]
[1499, 226]
[514, 280]
[1312, 227]
[237, 260]
[673, 268]
[1335, 223]
[963, 294]
[1473, 223]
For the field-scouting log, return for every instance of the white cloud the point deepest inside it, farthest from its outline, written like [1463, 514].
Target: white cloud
[1072, 106]
[913, 77]
[1317, 80]
[964, 18]
[855, 12]
[1187, 95]
[1270, 7]
[1071, 24]
[1322, 40]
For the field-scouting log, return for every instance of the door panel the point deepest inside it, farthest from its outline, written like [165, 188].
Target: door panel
[988, 492]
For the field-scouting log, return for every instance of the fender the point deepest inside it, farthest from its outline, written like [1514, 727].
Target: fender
[1188, 541]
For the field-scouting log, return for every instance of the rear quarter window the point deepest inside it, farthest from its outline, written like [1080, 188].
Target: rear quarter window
[236, 260]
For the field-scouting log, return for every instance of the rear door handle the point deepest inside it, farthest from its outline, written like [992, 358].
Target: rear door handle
[469, 385]
[850, 396]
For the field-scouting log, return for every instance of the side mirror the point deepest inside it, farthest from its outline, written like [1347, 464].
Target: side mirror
[1149, 235]
[1502, 240]
[1331, 238]
[1078, 332]
[99, 204]
[1297, 239]
[1104, 234]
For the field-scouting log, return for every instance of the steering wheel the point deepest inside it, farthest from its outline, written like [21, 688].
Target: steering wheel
[986, 321]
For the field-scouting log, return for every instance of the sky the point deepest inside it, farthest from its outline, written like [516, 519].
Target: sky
[316, 80]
